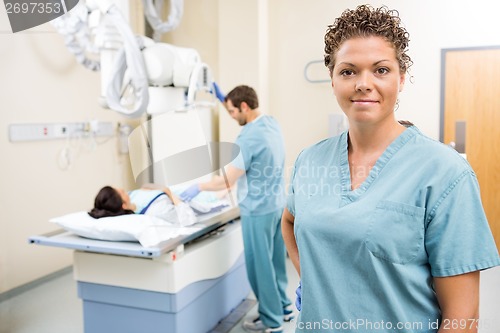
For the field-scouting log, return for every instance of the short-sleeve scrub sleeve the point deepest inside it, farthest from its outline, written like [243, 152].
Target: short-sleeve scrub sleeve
[458, 238]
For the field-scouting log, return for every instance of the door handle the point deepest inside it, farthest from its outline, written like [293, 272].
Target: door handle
[460, 136]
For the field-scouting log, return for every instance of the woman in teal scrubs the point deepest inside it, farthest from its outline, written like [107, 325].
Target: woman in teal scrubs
[384, 225]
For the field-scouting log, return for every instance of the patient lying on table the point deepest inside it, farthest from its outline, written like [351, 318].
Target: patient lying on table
[150, 215]
[155, 201]
[148, 200]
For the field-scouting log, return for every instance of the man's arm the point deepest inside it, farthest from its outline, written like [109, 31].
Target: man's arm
[219, 183]
[458, 297]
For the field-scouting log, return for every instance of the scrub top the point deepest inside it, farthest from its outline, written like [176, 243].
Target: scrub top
[143, 198]
[368, 256]
[262, 155]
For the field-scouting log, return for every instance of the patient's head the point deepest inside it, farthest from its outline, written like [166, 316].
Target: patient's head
[111, 202]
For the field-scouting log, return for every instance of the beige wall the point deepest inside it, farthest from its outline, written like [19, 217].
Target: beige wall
[41, 82]
[296, 37]
[267, 44]
[263, 43]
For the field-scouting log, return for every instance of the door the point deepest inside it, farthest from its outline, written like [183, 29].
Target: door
[471, 96]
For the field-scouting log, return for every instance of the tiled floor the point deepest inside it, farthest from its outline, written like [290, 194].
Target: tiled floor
[54, 307]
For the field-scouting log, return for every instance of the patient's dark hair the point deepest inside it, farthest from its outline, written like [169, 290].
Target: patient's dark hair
[108, 202]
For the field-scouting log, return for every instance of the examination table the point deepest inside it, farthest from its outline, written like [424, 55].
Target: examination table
[184, 285]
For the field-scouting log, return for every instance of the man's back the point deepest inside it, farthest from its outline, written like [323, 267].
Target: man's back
[262, 190]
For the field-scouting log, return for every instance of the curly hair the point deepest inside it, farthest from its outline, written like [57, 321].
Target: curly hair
[366, 21]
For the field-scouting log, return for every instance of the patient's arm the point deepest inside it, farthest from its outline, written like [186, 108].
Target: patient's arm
[150, 186]
[175, 199]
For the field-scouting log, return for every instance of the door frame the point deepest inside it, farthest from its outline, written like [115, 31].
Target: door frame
[443, 79]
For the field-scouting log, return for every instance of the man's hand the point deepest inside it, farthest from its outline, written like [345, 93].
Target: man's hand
[218, 93]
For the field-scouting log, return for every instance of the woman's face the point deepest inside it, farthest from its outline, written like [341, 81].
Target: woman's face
[125, 198]
[366, 80]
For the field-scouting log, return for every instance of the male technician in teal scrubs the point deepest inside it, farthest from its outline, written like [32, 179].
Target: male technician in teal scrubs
[261, 197]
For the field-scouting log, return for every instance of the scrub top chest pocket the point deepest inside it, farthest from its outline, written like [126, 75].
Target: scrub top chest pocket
[396, 232]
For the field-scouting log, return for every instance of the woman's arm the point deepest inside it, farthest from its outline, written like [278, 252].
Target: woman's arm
[458, 297]
[287, 221]
[150, 186]
[175, 199]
